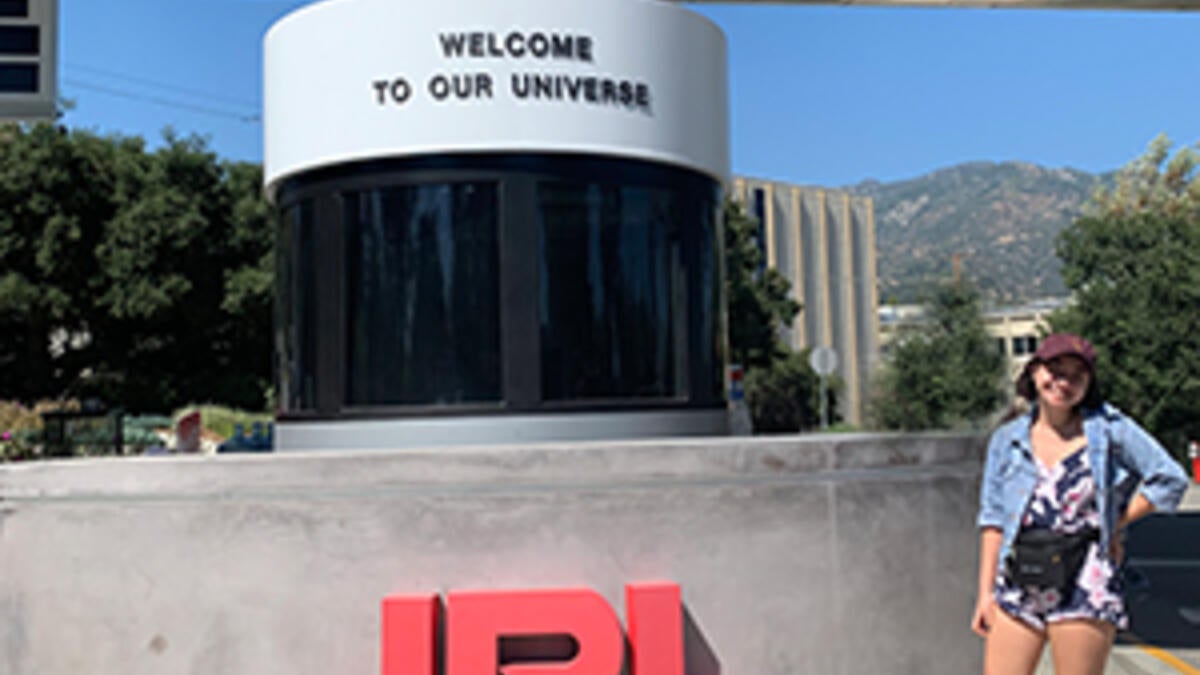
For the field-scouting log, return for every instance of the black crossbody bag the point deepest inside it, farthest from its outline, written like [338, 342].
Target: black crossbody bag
[1049, 559]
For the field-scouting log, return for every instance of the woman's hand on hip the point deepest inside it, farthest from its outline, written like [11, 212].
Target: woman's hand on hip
[1116, 547]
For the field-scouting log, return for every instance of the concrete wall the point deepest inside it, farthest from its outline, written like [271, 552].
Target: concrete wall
[812, 555]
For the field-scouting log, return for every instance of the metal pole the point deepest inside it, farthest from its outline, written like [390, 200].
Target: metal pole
[824, 407]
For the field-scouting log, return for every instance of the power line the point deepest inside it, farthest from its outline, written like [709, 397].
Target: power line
[161, 85]
[170, 103]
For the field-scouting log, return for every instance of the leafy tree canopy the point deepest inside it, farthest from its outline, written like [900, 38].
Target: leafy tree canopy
[759, 300]
[944, 373]
[1133, 266]
[140, 277]
[1154, 183]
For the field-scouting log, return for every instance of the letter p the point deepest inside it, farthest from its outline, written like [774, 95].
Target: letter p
[477, 620]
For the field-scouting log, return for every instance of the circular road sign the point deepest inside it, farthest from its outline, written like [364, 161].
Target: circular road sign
[823, 360]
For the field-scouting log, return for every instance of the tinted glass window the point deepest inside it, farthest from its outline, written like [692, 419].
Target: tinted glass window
[613, 302]
[760, 233]
[18, 78]
[14, 8]
[422, 295]
[295, 308]
[19, 40]
[1024, 344]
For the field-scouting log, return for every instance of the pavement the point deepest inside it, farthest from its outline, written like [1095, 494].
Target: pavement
[1191, 499]
[1164, 597]
[1133, 660]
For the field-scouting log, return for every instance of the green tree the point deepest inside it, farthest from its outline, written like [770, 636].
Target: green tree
[943, 373]
[1132, 263]
[249, 284]
[182, 303]
[782, 391]
[759, 300]
[55, 197]
[141, 277]
[1154, 183]
[786, 396]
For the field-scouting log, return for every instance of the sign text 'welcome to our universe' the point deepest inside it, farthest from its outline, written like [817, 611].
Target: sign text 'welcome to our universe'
[538, 84]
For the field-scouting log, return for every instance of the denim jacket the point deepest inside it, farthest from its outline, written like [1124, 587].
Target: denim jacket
[1123, 458]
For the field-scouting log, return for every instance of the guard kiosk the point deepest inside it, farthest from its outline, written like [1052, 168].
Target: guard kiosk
[498, 221]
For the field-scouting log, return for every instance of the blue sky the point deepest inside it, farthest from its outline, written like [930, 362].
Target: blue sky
[820, 95]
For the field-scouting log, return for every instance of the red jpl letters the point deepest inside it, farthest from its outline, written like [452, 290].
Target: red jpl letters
[476, 621]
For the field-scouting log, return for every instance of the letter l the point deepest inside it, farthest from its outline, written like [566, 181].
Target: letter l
[654, 612]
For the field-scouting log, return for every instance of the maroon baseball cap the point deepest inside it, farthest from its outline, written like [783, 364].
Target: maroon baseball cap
[1066, 344]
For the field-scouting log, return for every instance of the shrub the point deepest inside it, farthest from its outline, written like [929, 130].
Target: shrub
[220, 420]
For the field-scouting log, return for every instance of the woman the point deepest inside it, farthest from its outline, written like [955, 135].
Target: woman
[1060, 485]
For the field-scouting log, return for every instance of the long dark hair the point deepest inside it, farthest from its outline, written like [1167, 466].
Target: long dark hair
[1091, 400]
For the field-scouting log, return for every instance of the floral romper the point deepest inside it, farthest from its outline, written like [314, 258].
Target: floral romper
[1064, 500]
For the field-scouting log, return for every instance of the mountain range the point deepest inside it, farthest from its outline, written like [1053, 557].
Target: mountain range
[1001, 220]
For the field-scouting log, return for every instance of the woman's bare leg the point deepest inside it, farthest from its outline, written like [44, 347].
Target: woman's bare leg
[1080, 647]
[1012, 648]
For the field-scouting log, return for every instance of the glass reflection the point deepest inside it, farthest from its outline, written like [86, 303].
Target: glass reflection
[422, 296]
[613, 298]
[295, 307]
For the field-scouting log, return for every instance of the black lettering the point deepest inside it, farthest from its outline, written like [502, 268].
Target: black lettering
[572, 85]
[543, 86]
[381, 87]
[538, 45]
[452, 44]
[515, 43]
[629, 94]
[483, 85]
[494, 46]
[608, 92]
[561, 46]
[439, 87]
[520, 85]
[401, 90]
[462, 85]
[643, 96]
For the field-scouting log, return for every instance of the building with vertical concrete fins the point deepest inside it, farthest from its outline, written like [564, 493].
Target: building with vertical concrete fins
[823, 241]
